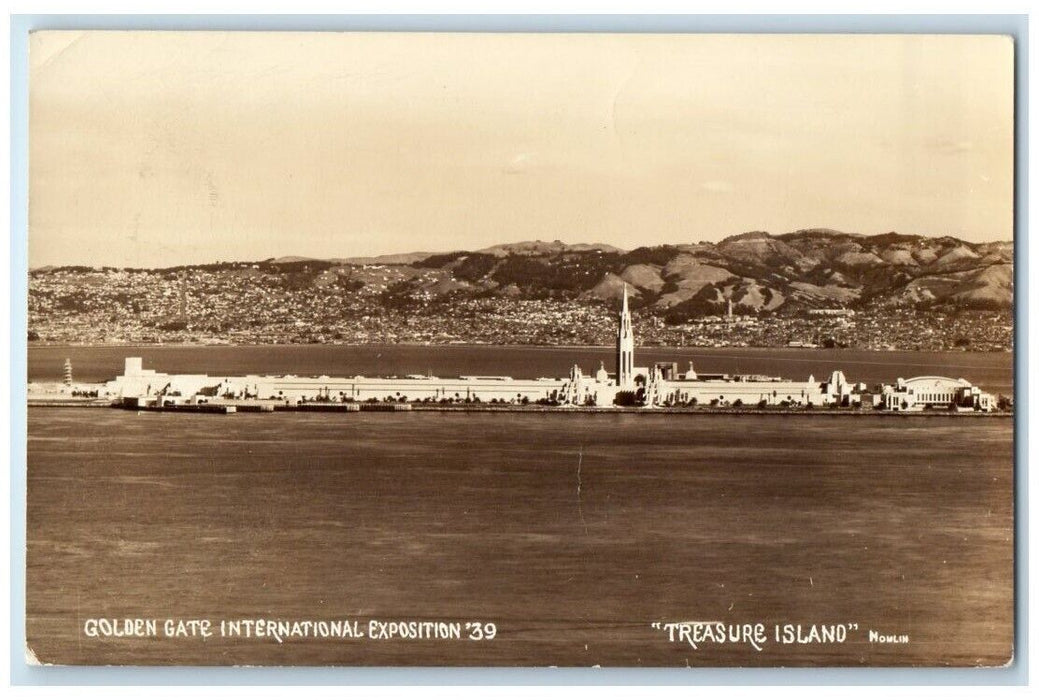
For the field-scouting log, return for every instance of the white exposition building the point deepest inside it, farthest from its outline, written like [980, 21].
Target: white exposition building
[661, 385]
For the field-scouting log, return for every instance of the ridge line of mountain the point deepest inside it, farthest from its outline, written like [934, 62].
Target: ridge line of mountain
[755, 272]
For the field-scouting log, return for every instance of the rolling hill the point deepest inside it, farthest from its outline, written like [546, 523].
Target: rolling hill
[757, 271]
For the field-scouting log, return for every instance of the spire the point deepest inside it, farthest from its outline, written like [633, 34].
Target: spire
[625, 345]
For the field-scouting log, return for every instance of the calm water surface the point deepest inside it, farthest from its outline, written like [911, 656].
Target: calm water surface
[573, 533]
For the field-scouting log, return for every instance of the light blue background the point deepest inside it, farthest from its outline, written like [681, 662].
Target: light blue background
[21, 25]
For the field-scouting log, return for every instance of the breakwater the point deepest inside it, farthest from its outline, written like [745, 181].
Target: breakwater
[257, 407]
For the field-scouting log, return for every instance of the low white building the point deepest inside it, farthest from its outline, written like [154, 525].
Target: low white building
[920, 393]
[137, 382]
[748, 390]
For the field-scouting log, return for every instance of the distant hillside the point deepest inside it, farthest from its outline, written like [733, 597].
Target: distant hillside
[542, 248]
[758, 272]
[530, 248]
[908, 292]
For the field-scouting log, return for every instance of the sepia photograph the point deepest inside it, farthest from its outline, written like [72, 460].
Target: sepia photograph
[520, 350]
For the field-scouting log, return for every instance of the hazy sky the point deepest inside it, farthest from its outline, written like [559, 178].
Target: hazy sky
[154, 149]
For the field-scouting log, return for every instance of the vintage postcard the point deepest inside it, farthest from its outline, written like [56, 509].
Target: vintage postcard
[391, 349]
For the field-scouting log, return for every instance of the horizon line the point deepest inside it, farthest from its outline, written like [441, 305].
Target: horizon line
[375, 256]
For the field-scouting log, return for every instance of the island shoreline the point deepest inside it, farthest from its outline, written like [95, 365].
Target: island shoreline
[602, 410]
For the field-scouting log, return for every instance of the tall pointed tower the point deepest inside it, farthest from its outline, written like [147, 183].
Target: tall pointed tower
[625, 347]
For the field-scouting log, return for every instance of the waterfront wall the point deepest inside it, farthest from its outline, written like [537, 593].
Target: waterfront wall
[649, 388]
